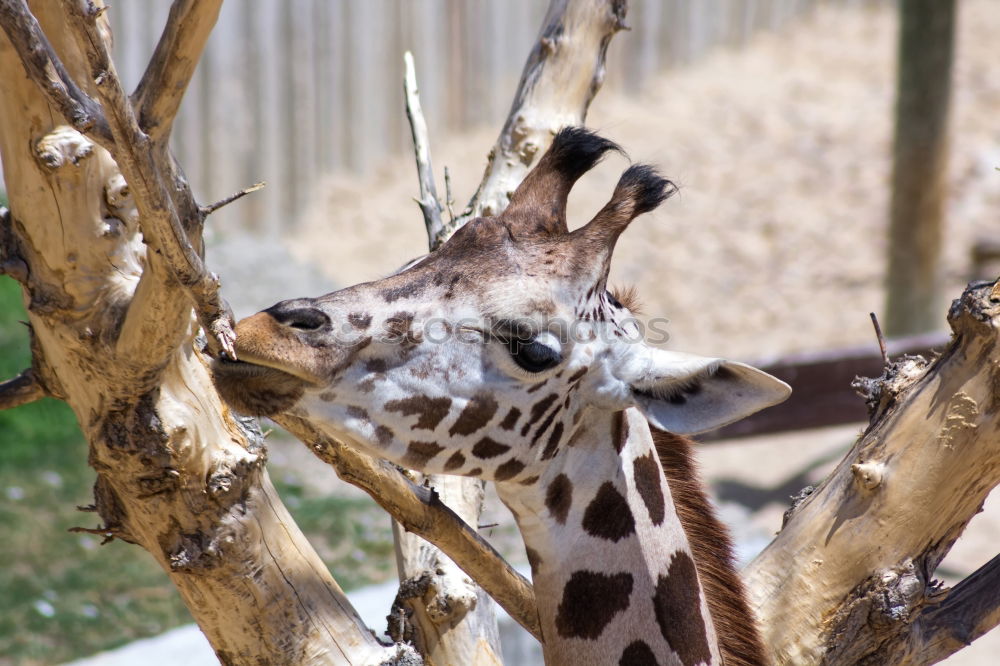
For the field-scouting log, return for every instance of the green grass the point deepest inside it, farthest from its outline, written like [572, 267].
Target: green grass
[63, 595]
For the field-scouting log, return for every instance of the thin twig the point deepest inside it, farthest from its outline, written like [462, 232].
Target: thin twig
[159, 94]
[21, 390]
[159, 218]
[449, 200]
[211, 208]
[44, 67]
[428, 201]
[108, 534]
[881, 340]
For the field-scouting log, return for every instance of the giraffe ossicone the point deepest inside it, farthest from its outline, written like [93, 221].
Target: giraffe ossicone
[502, 356]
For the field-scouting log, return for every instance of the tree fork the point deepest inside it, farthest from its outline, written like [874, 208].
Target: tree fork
[177, 472]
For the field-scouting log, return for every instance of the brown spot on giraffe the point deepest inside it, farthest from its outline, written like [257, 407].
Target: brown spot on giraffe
[552, 447]
[638, 653]
[397, 328]
[676, 604]
[510, 420]
[559, 498]
[619, 431]
[376, 365]
[356, 412]
[534, 559]
[476, 414]
[545, 425]
[590, 601]
[530, 481]
[537, 386]
[418, 454]
[359, 320]
[475, 471]
[383, 435]
[608, 515]
[429, 410]
[404, 289]
[648, 483]
[454, 462]
[577, 376]
[537, 410]
[507, 470]
[327, 396]
[487, 448]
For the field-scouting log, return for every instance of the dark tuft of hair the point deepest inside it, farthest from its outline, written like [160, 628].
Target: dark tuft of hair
[647, 188]
[576, 150]
[628, 297]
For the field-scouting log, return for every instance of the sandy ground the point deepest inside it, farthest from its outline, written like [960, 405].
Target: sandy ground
[775, 244]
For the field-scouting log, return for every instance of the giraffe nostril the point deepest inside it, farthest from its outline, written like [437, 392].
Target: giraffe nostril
[304, 318]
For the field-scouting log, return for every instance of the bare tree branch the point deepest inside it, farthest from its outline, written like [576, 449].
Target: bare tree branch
[159, 217]
[158, 95]
[563, 73]
[44, 67]
[421, 511]
[966, 612]
[428, 201]
[21, 390]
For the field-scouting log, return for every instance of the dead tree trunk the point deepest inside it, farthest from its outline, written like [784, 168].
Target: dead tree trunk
[920, 160]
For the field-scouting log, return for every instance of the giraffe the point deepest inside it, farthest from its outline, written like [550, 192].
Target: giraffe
[503, 356]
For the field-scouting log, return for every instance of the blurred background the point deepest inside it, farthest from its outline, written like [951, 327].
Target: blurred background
[775, 117]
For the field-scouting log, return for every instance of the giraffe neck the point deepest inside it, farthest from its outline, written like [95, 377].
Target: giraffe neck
[613, 573]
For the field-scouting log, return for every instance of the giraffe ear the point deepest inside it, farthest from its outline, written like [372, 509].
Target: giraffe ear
[687, 394]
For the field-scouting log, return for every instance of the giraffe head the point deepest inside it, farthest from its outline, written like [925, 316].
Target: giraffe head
[482, 358]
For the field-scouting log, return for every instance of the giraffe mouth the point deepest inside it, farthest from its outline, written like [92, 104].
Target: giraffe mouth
[251, 365]
[255, 388]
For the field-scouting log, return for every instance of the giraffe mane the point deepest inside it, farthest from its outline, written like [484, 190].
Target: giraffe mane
[712, 546]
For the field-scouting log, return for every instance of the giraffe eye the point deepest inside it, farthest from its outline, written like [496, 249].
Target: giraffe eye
[532, 355]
